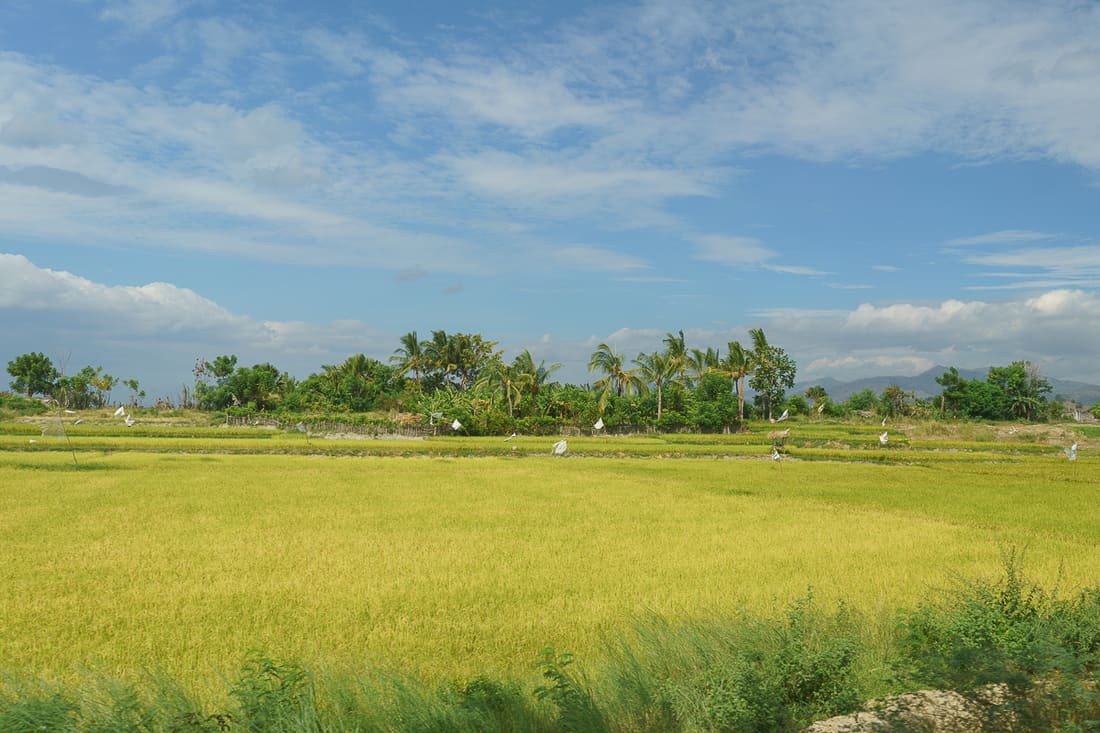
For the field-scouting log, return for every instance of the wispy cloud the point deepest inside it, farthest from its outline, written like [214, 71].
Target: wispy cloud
[796, 270]
[141, 15]
[596, 259]
[1007, 236]
[731, 250]
[609, 115]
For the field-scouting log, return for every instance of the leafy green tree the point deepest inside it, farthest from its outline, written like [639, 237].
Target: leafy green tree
[861, 401]
[773, 374]
[954, 389]
[136, 393]
[1023, 387]
[357, 384]
[32, 374]
[983, 400]
[222, 367]
[712, 407]
[103, 384]
[568, 403]
[75, 391]
[1016, 391]
[797, 405]
[894, 401]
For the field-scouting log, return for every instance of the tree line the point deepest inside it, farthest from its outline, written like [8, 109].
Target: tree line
[466, 378]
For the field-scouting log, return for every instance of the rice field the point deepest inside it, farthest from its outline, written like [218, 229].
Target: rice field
[185, 549]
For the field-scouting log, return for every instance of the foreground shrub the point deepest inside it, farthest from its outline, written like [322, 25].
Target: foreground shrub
[743, 674]
[1043, 651]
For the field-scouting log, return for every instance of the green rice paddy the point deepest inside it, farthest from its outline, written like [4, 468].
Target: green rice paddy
[183, 549]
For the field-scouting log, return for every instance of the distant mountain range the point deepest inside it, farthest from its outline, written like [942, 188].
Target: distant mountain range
[924, 385]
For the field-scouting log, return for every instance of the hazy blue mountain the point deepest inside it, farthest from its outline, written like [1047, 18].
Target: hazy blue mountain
[924, 385]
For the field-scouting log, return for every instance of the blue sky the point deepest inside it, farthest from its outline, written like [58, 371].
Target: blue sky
[882, 186]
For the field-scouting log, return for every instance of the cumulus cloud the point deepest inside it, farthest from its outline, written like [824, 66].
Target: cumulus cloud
[60, 313]
[1055, 329]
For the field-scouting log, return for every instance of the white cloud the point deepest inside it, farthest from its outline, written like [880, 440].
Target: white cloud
[1062, 261]
[61, 313]
[595, 259]
[470, 90]
[142, 311]
[36, 128]
[733, 251]
[1056, 329]
[881, 364]
[141, 15]
[796, 270]
[1007, 236]
[608, 115]
[550, 179]
[348, 53]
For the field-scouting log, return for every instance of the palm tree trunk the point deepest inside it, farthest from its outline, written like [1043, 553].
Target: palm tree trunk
[741, 399]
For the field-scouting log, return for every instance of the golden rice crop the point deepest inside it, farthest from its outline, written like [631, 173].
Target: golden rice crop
[453, 567]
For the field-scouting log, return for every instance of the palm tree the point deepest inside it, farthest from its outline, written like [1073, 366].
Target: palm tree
[356, 367]
[657, 368]
[676, 348]
[700, 362]
[438, 355]
[621, 381]
[759, 340]
[761, 358]
[501, 378]
[738, 365]
[531, 377]
[409, 357]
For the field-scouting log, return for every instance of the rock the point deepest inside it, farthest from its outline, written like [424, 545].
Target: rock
[928, 711]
